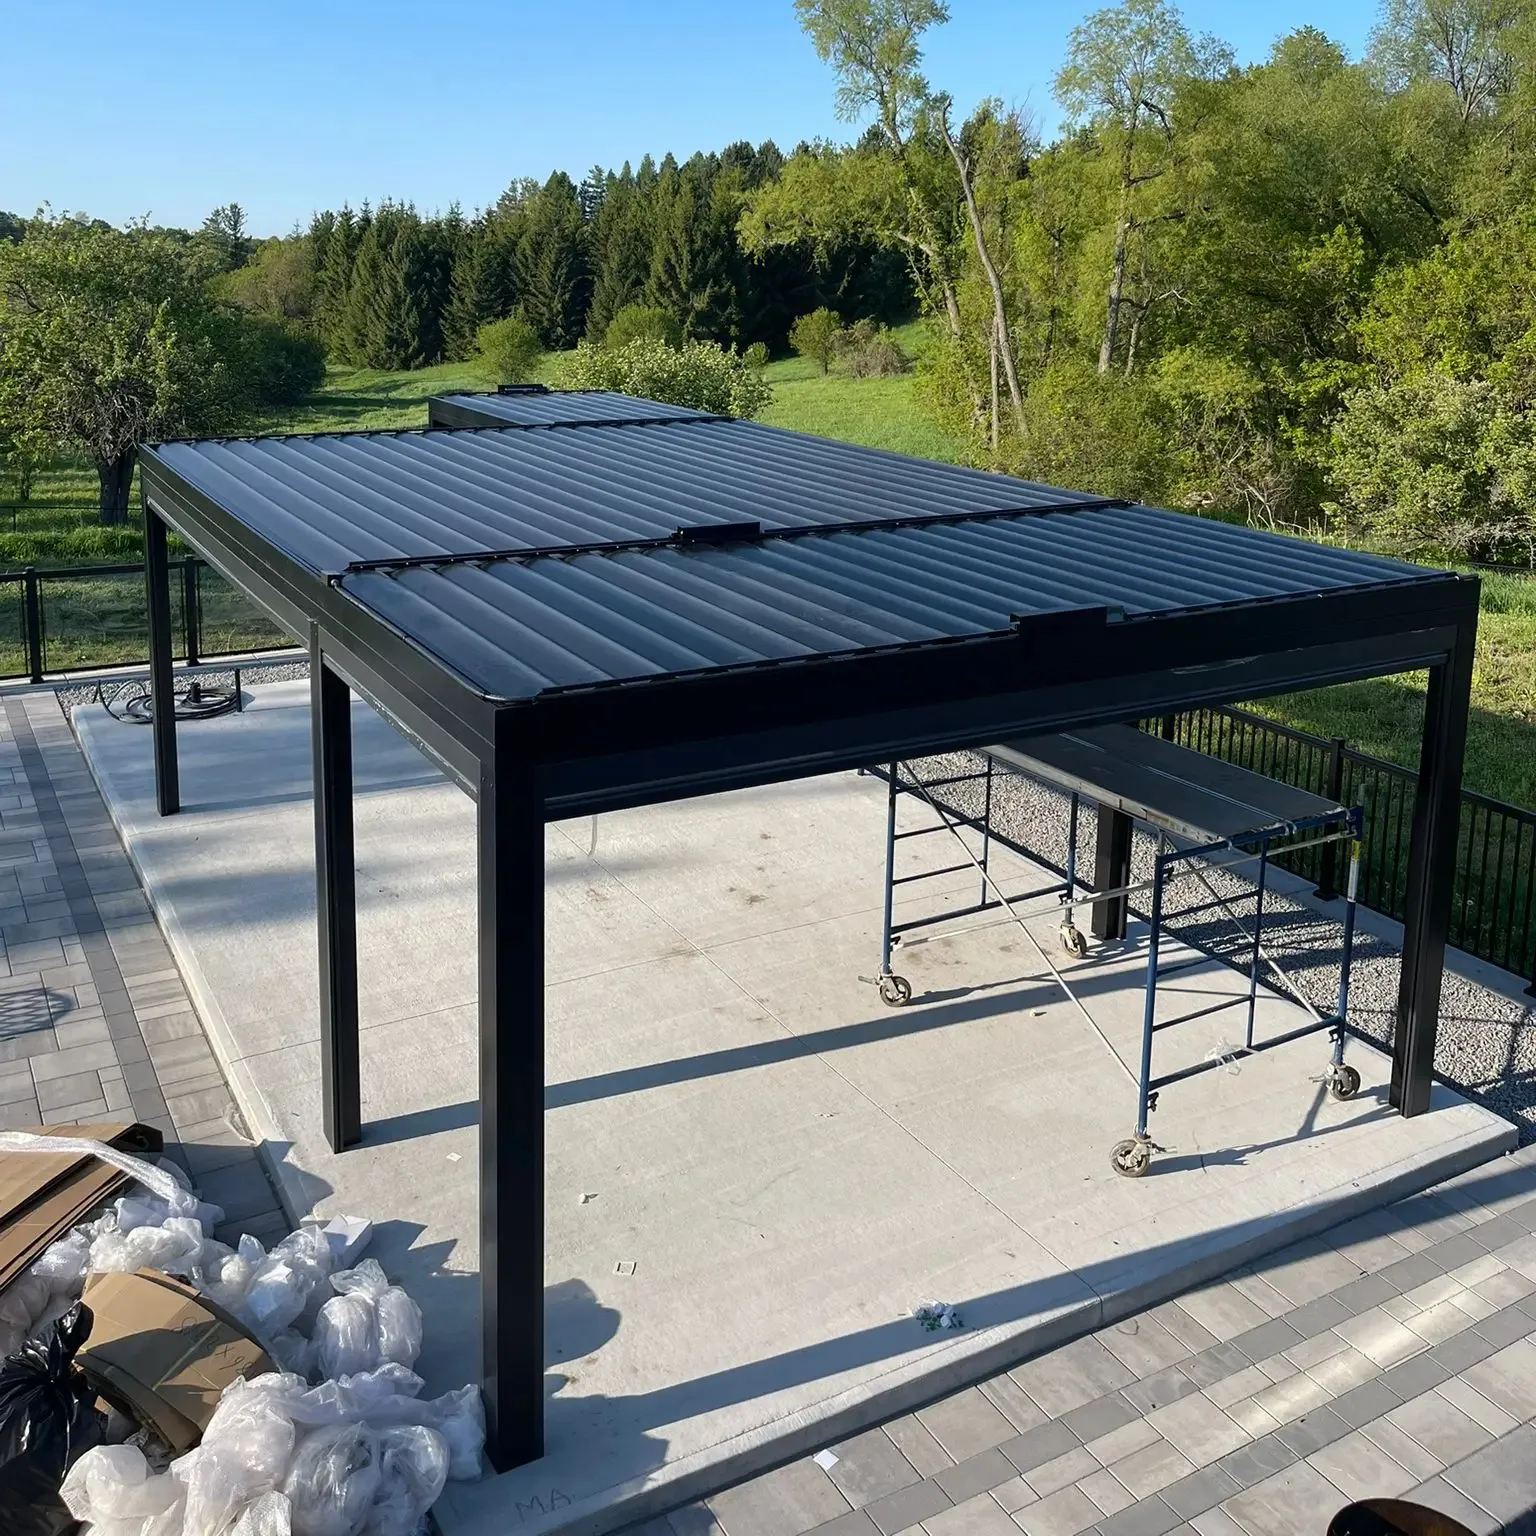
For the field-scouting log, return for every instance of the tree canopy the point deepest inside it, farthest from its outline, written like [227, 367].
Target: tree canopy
[1292, 291]
[109, 338]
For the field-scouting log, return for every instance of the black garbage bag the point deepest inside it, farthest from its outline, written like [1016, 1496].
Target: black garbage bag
[48, 1419]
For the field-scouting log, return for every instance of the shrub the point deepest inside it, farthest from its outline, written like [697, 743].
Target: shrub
[698, 374]
[815, 336]
[22, 455]
[1102, 436]
[275, 364]
[642, 322]
[1430, 463]
[756, 356]
[511, 347]
[870, 351]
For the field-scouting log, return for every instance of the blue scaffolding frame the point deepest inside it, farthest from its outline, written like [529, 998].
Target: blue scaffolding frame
[1201, 812]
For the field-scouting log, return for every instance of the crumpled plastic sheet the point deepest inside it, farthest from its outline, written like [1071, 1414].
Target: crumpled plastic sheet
[368, 1322]
[937, 1315]
[359, 1454]
[112, 1487]
[174, 1248]
[245, 1452]
[413, 1467]
[272, 1293]
[331, 1485]
[165, 1179]
[145, 1209]
[270, 1515]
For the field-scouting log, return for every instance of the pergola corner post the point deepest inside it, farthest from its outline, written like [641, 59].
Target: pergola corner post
[1432, 868]
[157, 585]
[510, 836]
[1111, 872]
[335, 901]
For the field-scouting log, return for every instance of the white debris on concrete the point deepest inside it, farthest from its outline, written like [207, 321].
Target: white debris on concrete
[337, 1443]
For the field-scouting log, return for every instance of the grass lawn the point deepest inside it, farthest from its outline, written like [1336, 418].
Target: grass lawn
[880, 413]
[371, 400]
[97, 621]
[1385, 716]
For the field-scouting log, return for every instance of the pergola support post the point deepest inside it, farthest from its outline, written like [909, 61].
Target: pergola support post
[335, 901]
[1111, 872]
[1432, 872]
[511, 939]
[157, 584]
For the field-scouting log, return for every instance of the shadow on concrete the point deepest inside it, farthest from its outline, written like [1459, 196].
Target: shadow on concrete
[971, 1005]
[26, 1010]
[1236, 1157]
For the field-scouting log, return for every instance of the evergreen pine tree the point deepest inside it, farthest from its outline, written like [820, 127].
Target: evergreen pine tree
[553, 280]
[620, 244]
[333, 281]
[379, 316]
[591, 192]
[693, 254]
[414, 336]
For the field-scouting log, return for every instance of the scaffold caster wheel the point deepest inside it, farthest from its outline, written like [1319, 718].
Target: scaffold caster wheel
[1074, 941]
[1131, 1158]
[1345, 1082]
[895, 991]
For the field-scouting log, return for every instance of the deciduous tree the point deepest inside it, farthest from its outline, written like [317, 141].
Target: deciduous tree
[108, 338]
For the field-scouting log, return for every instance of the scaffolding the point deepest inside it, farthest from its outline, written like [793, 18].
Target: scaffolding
[1205, 819]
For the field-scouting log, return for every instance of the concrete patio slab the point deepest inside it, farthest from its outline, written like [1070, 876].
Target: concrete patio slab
[754, 1168]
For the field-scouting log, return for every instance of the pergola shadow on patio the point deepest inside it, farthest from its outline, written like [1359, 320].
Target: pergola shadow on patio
[599, 603]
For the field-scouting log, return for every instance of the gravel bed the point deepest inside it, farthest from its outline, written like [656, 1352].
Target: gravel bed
[1486, 1045]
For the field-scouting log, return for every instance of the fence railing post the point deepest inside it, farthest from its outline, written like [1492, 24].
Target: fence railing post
[1170, 725]
[32, 609]
[1328, 867]
[190, 618]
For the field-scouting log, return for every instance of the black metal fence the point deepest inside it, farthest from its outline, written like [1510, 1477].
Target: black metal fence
[1493, 913]
[81, 617]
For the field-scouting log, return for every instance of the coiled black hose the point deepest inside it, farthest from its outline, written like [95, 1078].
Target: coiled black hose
[133, 705]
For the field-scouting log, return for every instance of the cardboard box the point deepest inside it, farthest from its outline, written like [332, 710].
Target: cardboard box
[42, 1197]
[164, 1354]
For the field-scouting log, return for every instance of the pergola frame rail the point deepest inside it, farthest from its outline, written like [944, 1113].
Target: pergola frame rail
[581, 750]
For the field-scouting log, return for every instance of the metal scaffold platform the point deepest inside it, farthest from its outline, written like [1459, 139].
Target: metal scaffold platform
[1214, 826]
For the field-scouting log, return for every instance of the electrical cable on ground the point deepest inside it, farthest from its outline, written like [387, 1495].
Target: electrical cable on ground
[133, 705]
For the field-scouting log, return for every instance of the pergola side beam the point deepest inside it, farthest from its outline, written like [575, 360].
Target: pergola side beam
[510, 833]
[157, 583]
[1432, 870]
[335, 901]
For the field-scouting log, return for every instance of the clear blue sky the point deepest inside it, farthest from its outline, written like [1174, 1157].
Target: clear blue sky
[165, 110]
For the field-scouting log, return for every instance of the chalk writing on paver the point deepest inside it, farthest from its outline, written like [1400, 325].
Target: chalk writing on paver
[537, 1506]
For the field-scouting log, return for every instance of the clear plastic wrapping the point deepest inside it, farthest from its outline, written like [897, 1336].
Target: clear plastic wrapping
[368, 1322]
[113, 1488]
[413, 1466]
[175, 1247]
[270, 1515]
[359, 1454]
[246, 1451]
[335, 1475]
[461, 1421]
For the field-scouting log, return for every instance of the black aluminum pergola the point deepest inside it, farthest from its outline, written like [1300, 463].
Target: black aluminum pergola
[581, 602]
